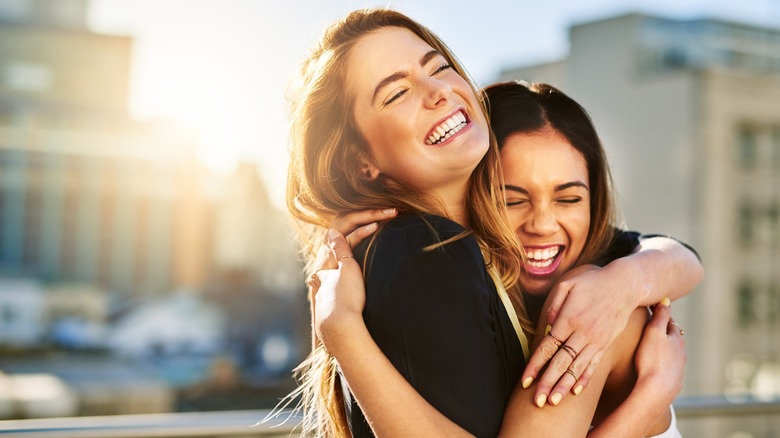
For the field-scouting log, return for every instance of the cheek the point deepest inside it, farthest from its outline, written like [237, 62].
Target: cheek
[579, 226]
[517, 219]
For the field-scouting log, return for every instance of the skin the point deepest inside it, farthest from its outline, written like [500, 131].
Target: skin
[338, 317]
[547, 195]
[406, 88]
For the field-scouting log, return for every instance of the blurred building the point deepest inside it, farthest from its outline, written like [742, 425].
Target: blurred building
[689, 112]
[86, 194]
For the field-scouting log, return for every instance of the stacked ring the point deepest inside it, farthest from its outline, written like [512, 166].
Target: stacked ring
[569, 350]
[571, 373]
[555, 339]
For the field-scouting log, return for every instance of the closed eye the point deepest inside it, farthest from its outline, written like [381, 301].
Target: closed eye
[513, 203]
[394, 97]
[442, 67]
[572, 200]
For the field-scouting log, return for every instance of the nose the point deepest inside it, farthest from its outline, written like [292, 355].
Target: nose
[437, 92]
[542, 222]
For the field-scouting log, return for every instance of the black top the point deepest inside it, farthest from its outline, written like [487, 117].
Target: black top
[438, 318]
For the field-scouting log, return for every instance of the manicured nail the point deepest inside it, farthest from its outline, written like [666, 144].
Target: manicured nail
[527, 382]
[388, 211]
[547, 329]
[577, 389]
[666, 302]
[540, 399]
[555, 399]
[332, 234]
[371, 226]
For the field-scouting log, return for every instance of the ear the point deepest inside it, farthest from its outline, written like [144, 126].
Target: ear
[368, 171]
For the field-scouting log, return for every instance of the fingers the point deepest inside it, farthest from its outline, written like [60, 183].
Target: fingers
[339, 246]
[584, 379]
[662, 314]
[347, 223]
[541, 355]
[361, 233]
[562, 372]
[571, 377]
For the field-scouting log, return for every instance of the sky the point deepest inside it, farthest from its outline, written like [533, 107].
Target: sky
[221, 67]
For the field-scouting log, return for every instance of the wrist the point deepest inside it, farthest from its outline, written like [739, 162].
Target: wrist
[338, 330]
[636, 286]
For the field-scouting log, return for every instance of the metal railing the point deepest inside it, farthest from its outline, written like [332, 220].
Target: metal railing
[217, 424]
[246, 424]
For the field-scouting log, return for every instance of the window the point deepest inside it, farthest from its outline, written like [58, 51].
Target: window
[746, 303]
[773, 222]
[774, 154]
[773, 302]
[747, 148]
[746, 224]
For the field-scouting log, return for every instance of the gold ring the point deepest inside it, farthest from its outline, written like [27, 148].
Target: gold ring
[569, 350]
[347, 256]
[682, 332]
[556, 340]
[571, 373]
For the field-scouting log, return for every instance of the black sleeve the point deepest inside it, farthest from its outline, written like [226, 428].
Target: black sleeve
[432, 318]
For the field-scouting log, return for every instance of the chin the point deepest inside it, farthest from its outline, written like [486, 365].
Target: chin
[536, 288]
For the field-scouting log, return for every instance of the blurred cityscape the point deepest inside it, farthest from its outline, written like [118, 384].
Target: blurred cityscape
[135, 280]
[132, 279]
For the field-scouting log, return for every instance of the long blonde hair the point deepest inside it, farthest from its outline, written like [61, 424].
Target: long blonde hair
[324, 180]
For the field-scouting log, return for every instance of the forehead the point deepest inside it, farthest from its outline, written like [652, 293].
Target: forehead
[381, 53]
[530, 154]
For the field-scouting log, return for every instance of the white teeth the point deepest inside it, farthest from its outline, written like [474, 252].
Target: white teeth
[447, 128]
[547, 254]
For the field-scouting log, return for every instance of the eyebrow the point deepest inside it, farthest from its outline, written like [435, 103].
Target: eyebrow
[558, 188]
[400, 75]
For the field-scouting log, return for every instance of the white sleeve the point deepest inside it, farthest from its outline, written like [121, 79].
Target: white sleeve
[672, 431]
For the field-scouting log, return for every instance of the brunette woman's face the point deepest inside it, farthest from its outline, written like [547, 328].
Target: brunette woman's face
[548, 199]
[422, 122]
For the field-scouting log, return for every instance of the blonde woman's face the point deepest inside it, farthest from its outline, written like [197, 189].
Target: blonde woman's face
[548, 200]
[422, 123]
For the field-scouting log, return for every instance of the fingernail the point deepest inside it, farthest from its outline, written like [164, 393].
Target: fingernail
[555, 399]
[527, 382]
[332, 234]
[388, 211]
[577, 389]
[666, 302]
[371, 226]
[540, 399]
[547, 329]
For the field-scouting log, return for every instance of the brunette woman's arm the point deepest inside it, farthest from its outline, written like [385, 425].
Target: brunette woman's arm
[589, 310]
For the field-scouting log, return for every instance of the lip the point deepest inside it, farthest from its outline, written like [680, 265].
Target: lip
[548, 270]
[441, 120]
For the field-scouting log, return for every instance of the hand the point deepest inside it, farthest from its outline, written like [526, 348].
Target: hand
[356, 226]
[341, 296]
[587, 309]
[660, 357]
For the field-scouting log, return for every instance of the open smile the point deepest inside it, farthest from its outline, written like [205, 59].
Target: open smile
[543, 261]
[447, 128]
